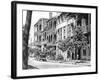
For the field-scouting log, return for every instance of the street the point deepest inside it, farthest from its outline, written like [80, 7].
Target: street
[46, 65]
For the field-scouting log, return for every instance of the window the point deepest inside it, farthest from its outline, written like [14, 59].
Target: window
[43, 39]
[58, 31]
[64, 37]
[58, 20]
[64, 29]
[55, 24]
[55, 37]
[50, 25]
[84, 52]
[39, 38]
[51, 39]
[37, 28]
[47, 37]
[72, 25]
[40, 27]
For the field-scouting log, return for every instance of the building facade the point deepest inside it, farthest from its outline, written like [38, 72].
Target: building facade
[65, 24]
[49, 31]
[38, 30]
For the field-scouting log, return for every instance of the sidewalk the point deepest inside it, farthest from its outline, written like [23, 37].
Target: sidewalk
[55, 64]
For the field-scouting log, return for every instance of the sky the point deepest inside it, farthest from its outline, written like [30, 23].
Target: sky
[36, 15]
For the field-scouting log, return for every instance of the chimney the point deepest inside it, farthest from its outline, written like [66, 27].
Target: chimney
[50, 15]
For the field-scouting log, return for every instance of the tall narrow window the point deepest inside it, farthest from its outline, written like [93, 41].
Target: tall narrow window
[55, 24]
[39, 38]
[51, 39]
[40, 27]
[84, 52]
[55, 37]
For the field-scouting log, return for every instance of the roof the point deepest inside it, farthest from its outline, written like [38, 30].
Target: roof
[47, 28]
[40, 20]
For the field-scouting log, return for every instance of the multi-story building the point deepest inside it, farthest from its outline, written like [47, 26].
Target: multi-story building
[45, 35]
[85, 23]
[49, 31]
[66, 25]
[38, 30]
